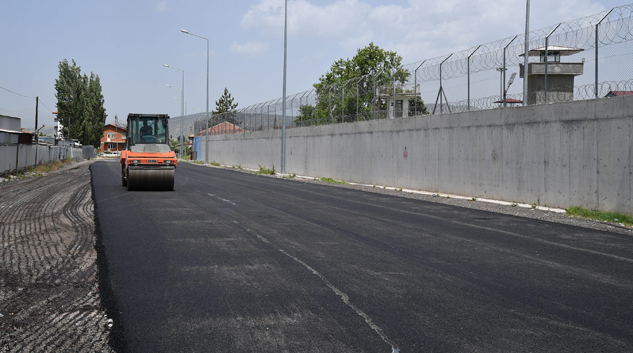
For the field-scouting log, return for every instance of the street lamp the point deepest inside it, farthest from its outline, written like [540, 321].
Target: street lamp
[526, 49]
[283, 117]
[206, 153]
[182, 102]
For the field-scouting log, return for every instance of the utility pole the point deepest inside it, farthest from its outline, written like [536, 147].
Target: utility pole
[37, 137]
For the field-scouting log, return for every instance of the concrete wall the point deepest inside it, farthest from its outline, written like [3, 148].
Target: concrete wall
[24, 156]
[565, 154]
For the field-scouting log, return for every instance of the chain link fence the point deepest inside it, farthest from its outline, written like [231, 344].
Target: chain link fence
[586, 58]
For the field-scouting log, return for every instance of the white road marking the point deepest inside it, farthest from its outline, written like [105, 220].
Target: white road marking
[343, 296]
[225, 200]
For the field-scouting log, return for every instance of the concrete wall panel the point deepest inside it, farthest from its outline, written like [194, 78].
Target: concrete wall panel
[564, 154]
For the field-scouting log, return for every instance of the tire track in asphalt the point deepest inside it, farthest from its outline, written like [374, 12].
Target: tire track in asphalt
[49, 299]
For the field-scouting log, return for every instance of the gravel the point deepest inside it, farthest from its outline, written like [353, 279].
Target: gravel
[49, 293]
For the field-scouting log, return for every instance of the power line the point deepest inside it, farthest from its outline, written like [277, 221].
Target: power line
[42, 103]
[40, 100]
[10, 91]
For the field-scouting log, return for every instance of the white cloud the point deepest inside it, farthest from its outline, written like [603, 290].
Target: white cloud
[340, 21]
[251, 48]
[420, 29]
[161, 7]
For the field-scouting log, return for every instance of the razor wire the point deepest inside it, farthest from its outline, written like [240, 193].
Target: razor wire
[372, 97]
[617, 27]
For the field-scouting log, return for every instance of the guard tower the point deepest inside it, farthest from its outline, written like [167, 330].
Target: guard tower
[560, 76]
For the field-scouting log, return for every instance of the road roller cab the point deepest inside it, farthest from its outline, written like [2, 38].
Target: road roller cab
[147, 163]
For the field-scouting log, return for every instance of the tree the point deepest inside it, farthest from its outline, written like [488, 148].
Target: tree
[420, 109]
[225, 107]
[348, 91]
[97, 108]
[80, 104]
[174, 145]
[68, 90]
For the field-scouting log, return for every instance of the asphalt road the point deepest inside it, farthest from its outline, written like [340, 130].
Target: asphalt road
[233, 262]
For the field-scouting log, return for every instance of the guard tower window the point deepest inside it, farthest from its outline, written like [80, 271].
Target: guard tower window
[551, 57]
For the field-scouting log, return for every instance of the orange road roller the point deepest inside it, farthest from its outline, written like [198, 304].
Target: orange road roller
[147, 163]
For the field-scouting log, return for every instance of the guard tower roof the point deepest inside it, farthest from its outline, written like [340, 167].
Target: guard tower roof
[551, 49]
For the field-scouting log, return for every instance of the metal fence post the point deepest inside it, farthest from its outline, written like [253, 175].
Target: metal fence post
[393, 83]
[597, 25]
[374, 102]
[342, 104]
[268, 116]
[329, 104]
[546, 54]
[357, 99]
[504, 70]
[415, 89]
[469, 56]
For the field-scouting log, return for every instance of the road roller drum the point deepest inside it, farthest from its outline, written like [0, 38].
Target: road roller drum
[144, 178]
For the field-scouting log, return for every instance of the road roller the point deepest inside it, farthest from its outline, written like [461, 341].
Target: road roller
[147, 163]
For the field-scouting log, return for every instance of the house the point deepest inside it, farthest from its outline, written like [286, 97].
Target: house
[113, 139]
[12, 133]
[619, 94]
[222, 128]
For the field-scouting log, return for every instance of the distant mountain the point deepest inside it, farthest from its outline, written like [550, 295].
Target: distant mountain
[46, 130]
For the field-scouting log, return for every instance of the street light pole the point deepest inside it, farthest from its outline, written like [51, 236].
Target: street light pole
[181, 94]
[283, 117]
[526, 49]
[182, 104]
[206, 153]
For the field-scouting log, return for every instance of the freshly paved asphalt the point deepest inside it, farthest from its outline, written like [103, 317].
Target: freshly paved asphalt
[232, 262]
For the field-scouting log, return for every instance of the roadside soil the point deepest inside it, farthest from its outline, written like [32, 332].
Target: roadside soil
[49, 293]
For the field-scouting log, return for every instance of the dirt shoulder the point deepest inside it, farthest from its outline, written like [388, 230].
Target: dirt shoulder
[49, 294]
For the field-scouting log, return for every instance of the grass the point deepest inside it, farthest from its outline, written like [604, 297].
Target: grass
[215, 164]
[330, 180]
[266, 171]
[49, 167]
[37, 170]
[601, 216]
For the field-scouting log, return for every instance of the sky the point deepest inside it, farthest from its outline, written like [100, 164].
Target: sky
[127, 42]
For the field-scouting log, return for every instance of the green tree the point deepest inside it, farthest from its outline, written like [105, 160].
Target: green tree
[80, 104]
[68, 89]
[97, 103]
[420, 109]
[347, 91]
[174, 145]
[225, 107]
